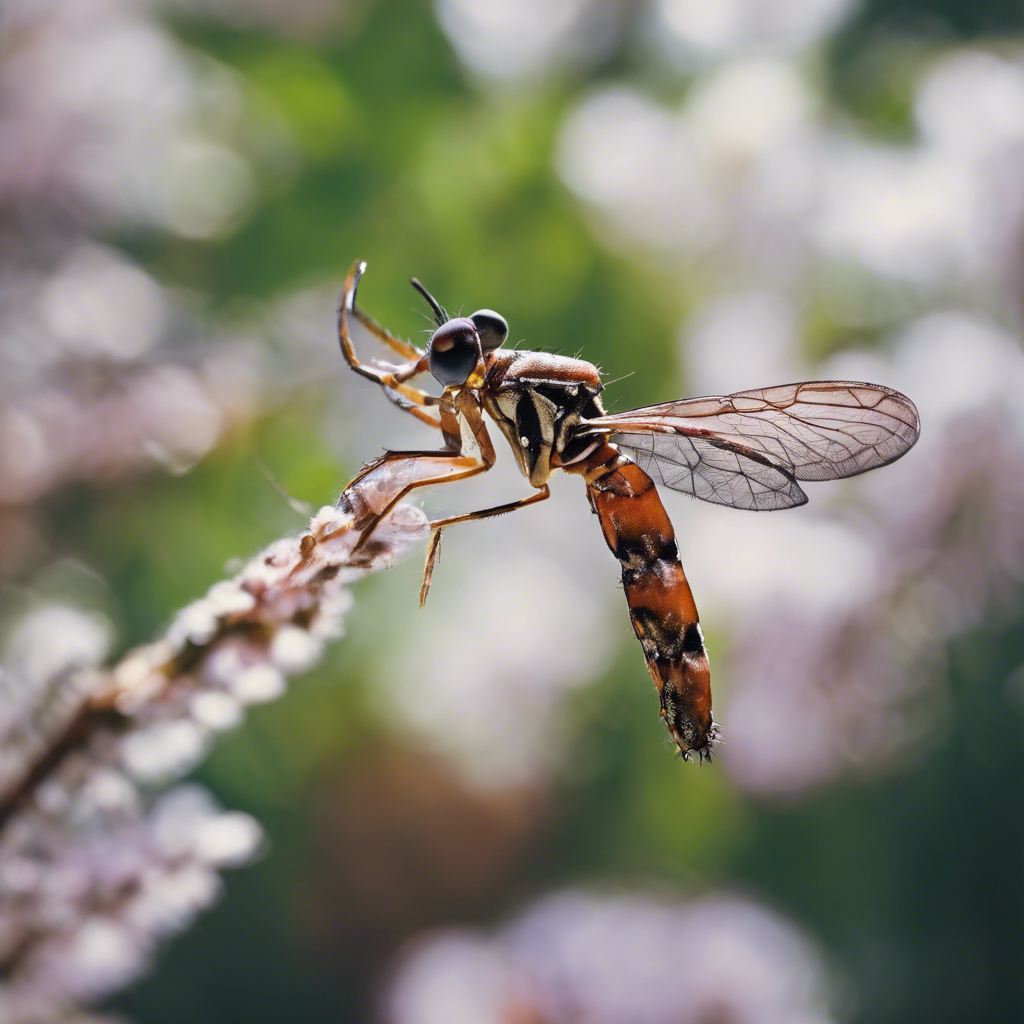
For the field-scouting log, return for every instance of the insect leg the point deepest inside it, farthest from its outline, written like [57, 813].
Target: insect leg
[403, 348]
[438, 526]
[406, 406]
[543, 493]
[392, 383]
[462, 468]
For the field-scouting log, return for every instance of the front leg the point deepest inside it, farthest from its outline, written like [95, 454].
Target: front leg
[403, 348]
[408, 398]
[425, 468]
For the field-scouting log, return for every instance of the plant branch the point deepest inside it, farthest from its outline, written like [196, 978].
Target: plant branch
[96, 862]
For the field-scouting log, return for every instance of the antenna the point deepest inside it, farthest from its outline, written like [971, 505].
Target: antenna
[440, 316]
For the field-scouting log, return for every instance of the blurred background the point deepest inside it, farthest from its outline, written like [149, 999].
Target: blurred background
[473, 812]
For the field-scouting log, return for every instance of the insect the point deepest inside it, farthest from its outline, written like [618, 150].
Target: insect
[747, 450]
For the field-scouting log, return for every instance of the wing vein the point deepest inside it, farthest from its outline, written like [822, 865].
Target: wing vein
[750, 448]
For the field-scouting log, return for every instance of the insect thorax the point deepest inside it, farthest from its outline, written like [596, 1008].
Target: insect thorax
[540, 414]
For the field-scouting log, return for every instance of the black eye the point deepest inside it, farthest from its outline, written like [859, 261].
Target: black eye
[491, 327]
[454, 351]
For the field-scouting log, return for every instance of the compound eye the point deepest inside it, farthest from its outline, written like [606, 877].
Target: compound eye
[491, 327]
[454, 351]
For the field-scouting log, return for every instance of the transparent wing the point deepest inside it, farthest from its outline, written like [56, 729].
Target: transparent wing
[749, 449]
[709, 470]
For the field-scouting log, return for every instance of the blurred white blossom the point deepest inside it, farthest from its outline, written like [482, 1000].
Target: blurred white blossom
[97, 304]
[93, 877]
[904, 213]
[735, 26]
[972, 101]
[754, 169]
[53, 639]
[731, 173]
[151, 144]
[156, 416]
[88, 385]
[739, 340]
[518, 39]
[576, 957]
[492, 696]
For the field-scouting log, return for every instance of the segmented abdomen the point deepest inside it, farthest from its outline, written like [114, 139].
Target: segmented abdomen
[640, 535]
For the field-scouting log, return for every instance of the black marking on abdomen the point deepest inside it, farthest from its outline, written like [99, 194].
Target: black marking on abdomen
[693, 639]
[660, 642]
[640, 555]
[648, 547]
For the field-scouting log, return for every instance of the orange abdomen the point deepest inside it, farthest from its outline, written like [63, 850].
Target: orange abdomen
[640, 535]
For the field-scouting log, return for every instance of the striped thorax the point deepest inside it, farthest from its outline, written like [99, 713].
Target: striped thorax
[537, 401]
